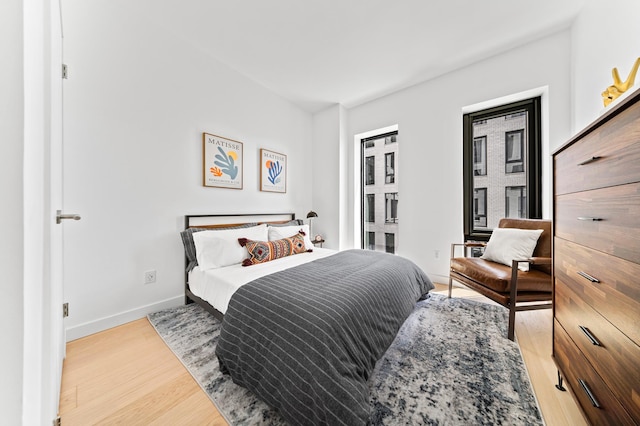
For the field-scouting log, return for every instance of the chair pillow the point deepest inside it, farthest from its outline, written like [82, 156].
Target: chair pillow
[265, 251]
[508, 244]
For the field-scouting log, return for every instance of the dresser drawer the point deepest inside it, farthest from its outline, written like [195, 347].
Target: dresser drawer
[607, 283]
[608, 156]
[575, 369]
[605, 219]
[613, 356]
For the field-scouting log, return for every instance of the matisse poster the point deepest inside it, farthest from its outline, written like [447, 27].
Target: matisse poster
[273, 171]
[223, 159]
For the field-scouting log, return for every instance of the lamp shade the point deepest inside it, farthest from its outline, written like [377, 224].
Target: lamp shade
[312, 214]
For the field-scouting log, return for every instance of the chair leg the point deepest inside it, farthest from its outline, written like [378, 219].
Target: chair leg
[512, 321]
[513, 297]
[453, 253]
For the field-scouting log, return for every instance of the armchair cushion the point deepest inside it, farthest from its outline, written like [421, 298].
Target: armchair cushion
[508, 244]
[497, 277]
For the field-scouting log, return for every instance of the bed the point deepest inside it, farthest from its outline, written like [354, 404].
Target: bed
[213, 288]
[303, 332]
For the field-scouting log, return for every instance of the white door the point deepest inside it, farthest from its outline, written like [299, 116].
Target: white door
[60, 218]
[58, 340]
[44, 340]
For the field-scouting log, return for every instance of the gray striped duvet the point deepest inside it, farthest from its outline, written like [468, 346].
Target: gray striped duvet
[306, 339]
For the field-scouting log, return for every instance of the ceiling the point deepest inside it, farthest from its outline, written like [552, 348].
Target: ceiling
[317, 53]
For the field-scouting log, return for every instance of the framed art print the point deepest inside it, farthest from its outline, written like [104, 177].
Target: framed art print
[222, 162]
[273, 171]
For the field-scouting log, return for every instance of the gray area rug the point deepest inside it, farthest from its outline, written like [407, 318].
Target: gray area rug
[450, 364]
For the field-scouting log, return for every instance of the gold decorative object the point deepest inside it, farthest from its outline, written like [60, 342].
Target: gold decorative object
[618, 87]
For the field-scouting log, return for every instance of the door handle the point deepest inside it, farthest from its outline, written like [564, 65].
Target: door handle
[60, 216]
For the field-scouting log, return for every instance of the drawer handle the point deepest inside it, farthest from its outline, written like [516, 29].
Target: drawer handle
[590, 160]
[590, 219]
[586, 390]
[590, 336]
[589, 277]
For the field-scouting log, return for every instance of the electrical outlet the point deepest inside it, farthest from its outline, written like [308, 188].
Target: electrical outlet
[436, 254]
[150, 277]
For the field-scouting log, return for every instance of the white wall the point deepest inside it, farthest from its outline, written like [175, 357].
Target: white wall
[11, 223]
[429, 118]
[136, 103]
[328, 165]
[605, 35]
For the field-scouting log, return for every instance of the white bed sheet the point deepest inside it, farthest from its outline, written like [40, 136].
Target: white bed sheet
[216, 286]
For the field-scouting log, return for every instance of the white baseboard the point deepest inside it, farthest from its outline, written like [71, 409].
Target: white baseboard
[91, 327]
[440, 279]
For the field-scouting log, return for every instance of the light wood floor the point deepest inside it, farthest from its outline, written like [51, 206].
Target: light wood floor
[128, 376]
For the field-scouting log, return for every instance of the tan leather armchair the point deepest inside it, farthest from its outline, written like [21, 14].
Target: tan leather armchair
[507, 285]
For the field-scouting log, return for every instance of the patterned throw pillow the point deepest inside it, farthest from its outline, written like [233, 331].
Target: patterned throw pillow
[264, 251]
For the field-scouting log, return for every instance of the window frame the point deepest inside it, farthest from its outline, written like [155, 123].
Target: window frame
[371, 242]
[520, 160]
[522, 196]
[482, 190]
[533, 158]
[364, 143]
[371, 208]
[389, 207]
[367, 160]
[389, 178]
[389, 236]
[482, 141]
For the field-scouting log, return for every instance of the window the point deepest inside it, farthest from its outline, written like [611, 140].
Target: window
[502, 166]
[480, 156]
[389, 160]
[370, 244]
[514, 161]
[391, 207]
[515, 201]
[480, 207]
[390, 242]
[370, 170]
[378, 185]
[371, 208]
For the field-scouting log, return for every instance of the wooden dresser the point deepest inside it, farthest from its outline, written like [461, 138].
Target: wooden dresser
[596, 224]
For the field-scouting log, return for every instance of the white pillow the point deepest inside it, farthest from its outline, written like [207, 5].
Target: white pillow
[215, 249]
[507, 244]
[280, 232]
